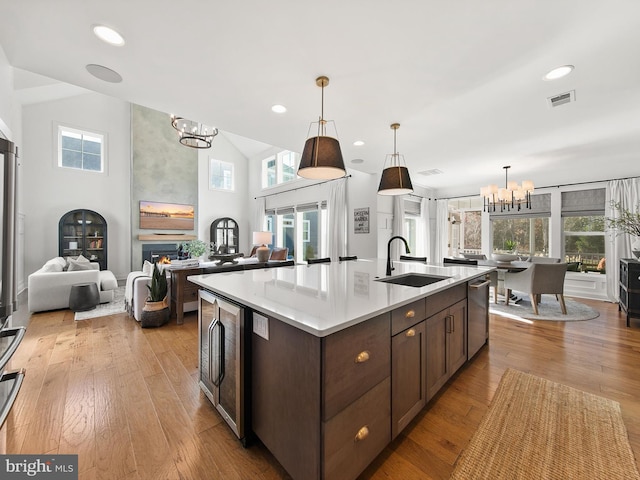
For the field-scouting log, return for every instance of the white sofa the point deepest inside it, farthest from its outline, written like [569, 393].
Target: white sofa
[49, 287]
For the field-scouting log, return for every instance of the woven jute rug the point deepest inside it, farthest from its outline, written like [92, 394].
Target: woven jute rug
[537, 429]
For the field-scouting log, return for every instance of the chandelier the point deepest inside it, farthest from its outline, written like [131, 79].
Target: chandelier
[511, 196]
[193, 134]
[395, 178]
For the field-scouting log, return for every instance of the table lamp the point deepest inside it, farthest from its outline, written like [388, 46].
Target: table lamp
[262, 239]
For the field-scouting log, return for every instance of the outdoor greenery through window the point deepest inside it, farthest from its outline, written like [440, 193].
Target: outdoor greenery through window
[80, 150]
[220, 175]
[584, 241]
[525, 236]
[279, 168]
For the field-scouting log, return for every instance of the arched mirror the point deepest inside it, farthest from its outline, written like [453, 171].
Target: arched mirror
[224, 235]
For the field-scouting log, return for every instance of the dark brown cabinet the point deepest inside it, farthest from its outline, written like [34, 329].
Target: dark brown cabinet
[83, 232]
[408, 376]
[446, 345]
[630, 288]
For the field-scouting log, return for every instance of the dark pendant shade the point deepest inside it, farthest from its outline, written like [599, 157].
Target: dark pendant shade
[321, 159]
[395, 181]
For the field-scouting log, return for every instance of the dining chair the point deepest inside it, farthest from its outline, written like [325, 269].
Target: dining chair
[538, 279]
[348, 258]
[413, 259]
[459, 261]
[311, 261]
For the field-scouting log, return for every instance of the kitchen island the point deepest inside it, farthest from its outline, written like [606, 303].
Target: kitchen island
[341, 362]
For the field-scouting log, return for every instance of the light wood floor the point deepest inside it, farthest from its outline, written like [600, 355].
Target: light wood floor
[127, 401]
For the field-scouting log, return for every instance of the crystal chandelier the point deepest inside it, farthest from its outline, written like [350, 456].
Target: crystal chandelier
[193, 134]
[511, 196]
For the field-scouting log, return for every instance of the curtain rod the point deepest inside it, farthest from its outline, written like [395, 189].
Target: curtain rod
[299, 188]
[550, 186]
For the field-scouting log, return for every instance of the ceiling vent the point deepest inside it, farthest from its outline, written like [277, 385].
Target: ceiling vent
[561, 99]
[433, 171]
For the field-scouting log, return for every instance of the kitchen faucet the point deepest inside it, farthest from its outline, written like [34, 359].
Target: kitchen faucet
[406, 247]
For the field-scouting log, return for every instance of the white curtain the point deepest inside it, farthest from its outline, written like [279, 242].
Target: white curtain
[424, 237]
[442, 230]
[397, 226]
[337, 219]
[258, 216]
[627, 193]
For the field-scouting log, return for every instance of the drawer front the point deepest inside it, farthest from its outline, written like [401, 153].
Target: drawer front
[407, 316]
[438, 302]
[353, 361]
[190, 294]
[354, 438]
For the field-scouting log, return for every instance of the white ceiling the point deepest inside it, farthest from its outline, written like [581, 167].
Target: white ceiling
[462, 78]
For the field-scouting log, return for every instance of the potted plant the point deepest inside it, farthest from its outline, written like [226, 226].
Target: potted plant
[195, 248]
[155, 312]
[510, 245]
[627, 222]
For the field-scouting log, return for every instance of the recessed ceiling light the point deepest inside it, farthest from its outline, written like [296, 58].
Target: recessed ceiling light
[278, 109]
[357, 160]
[358, 143]
[558, 72]
[104, 73]
[108, 35]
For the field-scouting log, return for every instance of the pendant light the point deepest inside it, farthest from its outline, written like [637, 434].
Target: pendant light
[511, 196]
[322, 158]
[395, 178]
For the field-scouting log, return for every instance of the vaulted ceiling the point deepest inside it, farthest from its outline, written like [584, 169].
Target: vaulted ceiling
[464, 79]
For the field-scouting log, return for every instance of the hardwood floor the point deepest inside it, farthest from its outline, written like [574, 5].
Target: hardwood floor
[127, 400]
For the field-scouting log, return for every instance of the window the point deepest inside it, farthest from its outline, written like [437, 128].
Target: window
[279, 168]
[302, 229]
[471, 231]
[524, 235]
[584, 240]
[220, 175]
[80, 150]
[412, 225]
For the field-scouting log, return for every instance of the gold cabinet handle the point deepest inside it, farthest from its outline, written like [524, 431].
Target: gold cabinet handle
[410, 314]
[362, 433]
[362, 357]
[411, 333]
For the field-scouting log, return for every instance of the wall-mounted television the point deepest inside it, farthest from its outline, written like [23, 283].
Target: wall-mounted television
[166, 216]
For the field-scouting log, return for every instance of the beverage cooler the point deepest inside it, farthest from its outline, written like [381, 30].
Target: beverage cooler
[10, 338]
[223, 359]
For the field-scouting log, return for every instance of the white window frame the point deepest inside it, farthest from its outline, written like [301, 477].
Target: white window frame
[278, 157]
[233, 175]
[60, 128]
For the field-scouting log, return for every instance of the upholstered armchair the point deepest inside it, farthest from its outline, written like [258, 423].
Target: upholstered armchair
[539, 278]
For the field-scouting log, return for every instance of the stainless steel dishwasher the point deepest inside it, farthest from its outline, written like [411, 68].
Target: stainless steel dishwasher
[477, 314]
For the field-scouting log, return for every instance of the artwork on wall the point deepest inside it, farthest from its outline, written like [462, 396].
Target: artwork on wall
[361, 220]
[166, 216]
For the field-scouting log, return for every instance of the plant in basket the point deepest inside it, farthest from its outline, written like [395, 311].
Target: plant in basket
[155, 312]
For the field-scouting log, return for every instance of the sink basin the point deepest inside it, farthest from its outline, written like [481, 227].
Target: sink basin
[413, 279]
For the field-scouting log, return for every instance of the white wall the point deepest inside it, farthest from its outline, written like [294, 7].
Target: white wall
[214, 204]
[7, 123]
[50, 191]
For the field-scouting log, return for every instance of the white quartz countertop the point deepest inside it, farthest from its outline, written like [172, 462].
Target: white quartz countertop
[322, 299]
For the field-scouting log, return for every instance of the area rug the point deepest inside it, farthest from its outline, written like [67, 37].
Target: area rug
[104, 309]
[548, 309]
[538, 429]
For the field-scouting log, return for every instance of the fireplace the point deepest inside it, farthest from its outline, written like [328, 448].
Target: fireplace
[153, 252]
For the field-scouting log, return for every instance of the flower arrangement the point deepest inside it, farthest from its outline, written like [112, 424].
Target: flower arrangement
[626, 222]
[195, 248]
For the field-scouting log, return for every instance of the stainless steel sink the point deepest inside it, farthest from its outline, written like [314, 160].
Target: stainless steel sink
[413, 279]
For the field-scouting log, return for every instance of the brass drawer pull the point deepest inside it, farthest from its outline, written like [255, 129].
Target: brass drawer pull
[362, 433]
[411, 333]
[410, 314]
[362, 357]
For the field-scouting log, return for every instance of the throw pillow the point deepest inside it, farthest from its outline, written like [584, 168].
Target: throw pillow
[82, 259]
[147, 268]
[51, 266]
[75, 265]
